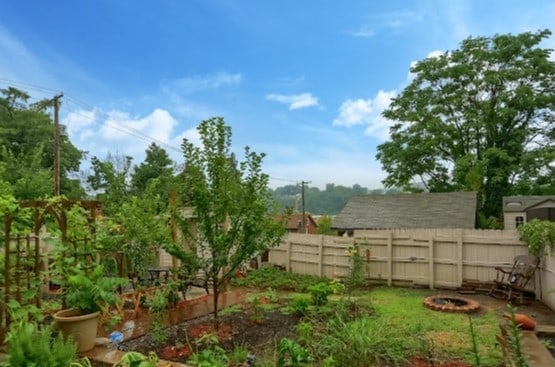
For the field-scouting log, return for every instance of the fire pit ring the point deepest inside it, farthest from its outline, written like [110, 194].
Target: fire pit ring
[451, 304]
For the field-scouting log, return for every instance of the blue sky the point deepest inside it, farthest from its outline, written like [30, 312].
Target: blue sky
[302, 81]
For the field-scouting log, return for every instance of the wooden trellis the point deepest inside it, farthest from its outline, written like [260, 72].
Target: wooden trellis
[24, 262]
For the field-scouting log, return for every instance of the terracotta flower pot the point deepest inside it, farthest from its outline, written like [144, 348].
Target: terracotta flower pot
[523, 321]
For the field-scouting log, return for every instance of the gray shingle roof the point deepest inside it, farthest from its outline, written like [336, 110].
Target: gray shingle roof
[426, 210]
[521, 202]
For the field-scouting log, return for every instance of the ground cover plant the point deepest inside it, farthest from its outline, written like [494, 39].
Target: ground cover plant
[323, 324]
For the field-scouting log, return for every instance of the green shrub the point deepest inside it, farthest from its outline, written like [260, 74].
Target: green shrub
[157, 306]
[32, 345]
[299, 304]
[291, 354]
[275, 278]
[539, 235]
[320, 293]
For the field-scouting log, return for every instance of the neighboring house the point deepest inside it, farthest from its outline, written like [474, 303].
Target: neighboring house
[295, 221]
[425, 210]
[518, 210]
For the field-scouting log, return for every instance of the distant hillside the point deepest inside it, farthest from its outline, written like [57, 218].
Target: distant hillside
[329, 201]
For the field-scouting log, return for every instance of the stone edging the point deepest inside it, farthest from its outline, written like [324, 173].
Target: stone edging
[469, 306]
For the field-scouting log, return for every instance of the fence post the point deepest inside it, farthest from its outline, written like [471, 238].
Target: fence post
[460, 257]
[288, 255]
[321, 256]
[431, 260]
[390, 258]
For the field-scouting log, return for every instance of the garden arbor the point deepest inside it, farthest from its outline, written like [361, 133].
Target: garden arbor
[25, 255]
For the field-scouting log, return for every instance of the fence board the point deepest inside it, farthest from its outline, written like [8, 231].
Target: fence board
[433, 257]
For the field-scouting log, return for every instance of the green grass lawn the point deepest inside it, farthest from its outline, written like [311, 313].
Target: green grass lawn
[389, 326]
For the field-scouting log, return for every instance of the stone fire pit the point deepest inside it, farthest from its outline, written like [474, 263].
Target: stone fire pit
[451, 304]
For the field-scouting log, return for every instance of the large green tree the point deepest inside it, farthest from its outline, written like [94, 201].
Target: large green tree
[233, 211]
[27, 149]
[476, 118]
[157, 165]
[110, 180]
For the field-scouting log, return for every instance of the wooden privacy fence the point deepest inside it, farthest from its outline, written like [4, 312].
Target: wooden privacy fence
[431, 257]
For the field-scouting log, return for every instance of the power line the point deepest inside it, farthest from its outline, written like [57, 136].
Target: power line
[119, 127]
[29, 86]
[284, 179]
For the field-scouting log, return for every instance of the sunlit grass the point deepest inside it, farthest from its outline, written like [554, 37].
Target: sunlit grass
[441, 335]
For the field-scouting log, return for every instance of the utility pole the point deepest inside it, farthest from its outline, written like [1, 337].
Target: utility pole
[304, 229]
[56, 101]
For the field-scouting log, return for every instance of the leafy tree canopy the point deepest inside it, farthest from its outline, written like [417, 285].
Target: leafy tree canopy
[157, 165]
[110, 178]
[478, 118]
[27, 149]
[233, 211]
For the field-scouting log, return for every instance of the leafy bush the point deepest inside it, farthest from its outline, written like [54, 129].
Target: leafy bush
[320, 293]
[299, 304]
[539, 235]
[275, 278]
[32, 345]
[157, 306]
[291, 354]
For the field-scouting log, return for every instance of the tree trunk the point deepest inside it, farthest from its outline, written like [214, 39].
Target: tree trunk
[216, 295]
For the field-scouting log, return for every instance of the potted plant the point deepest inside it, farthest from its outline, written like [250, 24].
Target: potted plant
[86, 295]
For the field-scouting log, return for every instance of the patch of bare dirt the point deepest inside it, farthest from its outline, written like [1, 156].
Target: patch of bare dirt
[236, 329]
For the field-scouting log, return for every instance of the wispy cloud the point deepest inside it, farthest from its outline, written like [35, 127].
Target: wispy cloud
[394, 22]
[289, 81]
[19, 63]
[364, 32]
[295, 101]
[198, 83]
[367, 112]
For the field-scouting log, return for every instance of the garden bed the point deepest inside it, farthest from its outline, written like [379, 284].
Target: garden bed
[415, 337]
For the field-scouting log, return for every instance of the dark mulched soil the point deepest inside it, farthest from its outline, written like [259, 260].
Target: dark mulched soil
[236, 329]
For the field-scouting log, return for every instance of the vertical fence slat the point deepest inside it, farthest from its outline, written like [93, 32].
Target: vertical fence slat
[288, 255]
[431, 260]
[459, 257]
[390, 258]
[321, 256]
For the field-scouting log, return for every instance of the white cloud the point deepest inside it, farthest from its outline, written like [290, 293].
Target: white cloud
[199, 83]
[192, 135]
[295, 101]
[80, 121]
[100, 133]
[119, 125]
[354, 112]
[367, 112]
[364, 32]
[432, 54]
[394, 22]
